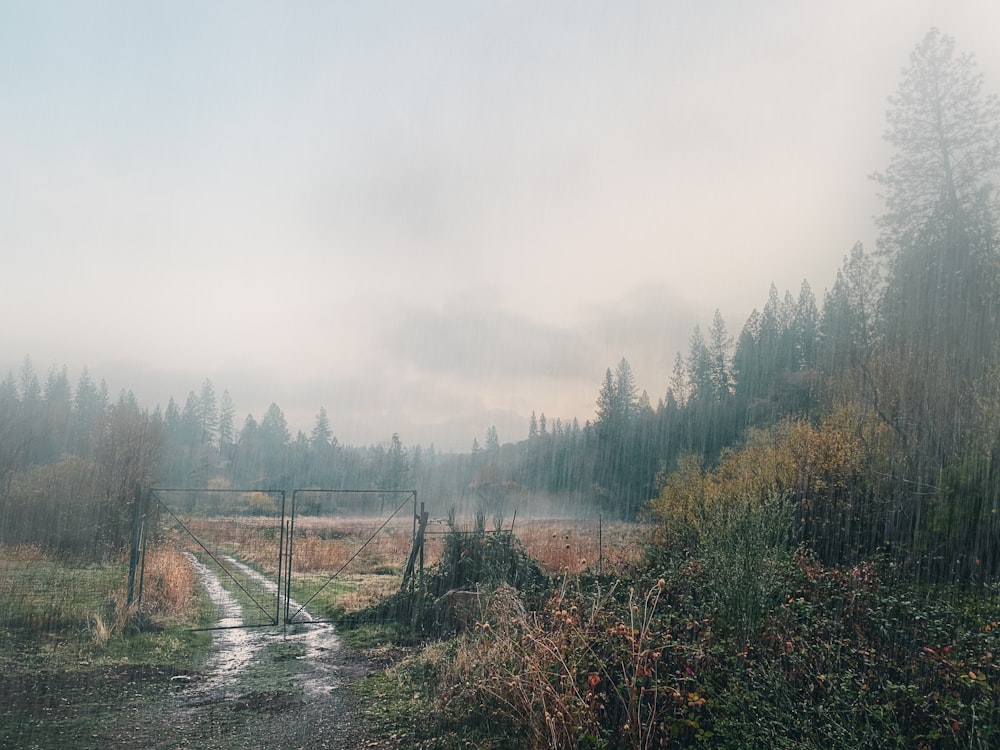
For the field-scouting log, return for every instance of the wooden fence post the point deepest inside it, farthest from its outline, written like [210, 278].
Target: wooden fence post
[418, 548]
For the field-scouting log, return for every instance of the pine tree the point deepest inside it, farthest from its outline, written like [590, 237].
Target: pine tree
[805, 328]
[227, 413]
[719, 345]
[321, 432]
[274, 427]
[942, 299]
[699, 367]
[946, 135]
[208, 413]
[606, 400]
[492, 440]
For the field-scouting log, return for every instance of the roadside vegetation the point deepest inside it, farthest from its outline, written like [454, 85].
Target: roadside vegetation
[741, 641]
[75, 660]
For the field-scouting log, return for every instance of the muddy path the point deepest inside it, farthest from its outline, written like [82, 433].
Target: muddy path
[282, 687]
[274, 687]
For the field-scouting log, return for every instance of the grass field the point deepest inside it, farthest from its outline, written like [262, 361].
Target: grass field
[328, 543]
[367, 559]
[46, 594]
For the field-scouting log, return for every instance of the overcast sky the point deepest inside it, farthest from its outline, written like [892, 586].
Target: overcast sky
[430, 217]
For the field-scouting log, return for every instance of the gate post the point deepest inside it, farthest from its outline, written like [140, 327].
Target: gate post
[417, 549]
[138, 511]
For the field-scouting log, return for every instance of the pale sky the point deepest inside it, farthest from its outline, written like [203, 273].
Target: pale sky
[430, 217]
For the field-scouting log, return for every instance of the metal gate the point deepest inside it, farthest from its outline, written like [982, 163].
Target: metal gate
[250, 542]
[314, 513]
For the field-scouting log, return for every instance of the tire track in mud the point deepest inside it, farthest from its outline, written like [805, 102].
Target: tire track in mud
[261, 687]
[318, 638]
[234, 648]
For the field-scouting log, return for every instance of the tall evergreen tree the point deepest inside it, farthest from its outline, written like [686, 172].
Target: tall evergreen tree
[946, 135]
[719, 345]
[274, 427]
[396, 473]
[679, 382]
[321, 433]
[805, 325]
[88, 407]
[699, 367]
[606, 400]
[492, 440]
[208, 413]
[227, 413]
[30, 387]
[942, 299]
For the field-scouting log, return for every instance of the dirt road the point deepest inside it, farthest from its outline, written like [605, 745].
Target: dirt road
[261, 688]
[281, 687]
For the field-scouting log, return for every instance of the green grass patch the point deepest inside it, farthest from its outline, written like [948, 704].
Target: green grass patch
[66, 687]
[51, 596]
[325, 597]
[259, 605]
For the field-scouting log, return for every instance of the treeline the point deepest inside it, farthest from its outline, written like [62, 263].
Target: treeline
[70, 462]
[791, 358]
[877, 415]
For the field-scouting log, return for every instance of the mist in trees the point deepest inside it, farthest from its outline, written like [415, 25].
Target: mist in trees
[898, 371]
[876, 404]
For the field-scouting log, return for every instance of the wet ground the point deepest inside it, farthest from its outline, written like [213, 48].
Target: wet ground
[261, 688]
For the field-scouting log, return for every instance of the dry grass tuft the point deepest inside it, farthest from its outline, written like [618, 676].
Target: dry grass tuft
[170, 586]
[20, 555]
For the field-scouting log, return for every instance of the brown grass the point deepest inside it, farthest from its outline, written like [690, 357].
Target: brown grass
[170, 586]
[370, 566]
[20, 555]
[539, 671]
[563, 546]
[46, 593]
[324, 545]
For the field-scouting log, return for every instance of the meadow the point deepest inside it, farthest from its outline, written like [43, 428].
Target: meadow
[356, 561]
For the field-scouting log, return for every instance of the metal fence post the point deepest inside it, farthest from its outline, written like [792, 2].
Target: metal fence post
[138, 511]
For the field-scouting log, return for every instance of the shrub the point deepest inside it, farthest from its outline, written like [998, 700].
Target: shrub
[745, 549]
[62, 508]
[445, 599]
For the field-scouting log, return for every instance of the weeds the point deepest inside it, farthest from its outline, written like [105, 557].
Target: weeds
[836, 658]
[170, 586]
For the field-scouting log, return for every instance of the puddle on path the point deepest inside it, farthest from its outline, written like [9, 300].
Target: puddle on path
[234, 648]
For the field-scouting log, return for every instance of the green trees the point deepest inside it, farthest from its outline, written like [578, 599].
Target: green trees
[321, 435]
[946, 135]
[492, 441]
[941, 310]
[939, 228]
[227, 413]
[69, 463]
[622, 476]
[395, 472]
[775, 358]
[906, 362]
[618, 399]
[847, 328]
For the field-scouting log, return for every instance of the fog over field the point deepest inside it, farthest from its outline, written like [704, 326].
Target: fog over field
[430, 218]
